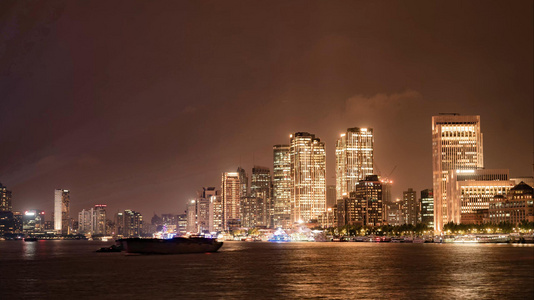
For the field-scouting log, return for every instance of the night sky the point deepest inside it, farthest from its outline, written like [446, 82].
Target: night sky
[138, 104]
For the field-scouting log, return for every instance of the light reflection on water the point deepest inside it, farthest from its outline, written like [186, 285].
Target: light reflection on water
[267, 270]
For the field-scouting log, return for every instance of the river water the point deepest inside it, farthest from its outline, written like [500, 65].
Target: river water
[262, 270]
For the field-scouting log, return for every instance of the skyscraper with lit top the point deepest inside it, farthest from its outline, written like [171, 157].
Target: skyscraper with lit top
[354, 159]
[62, 211]
[308, 177]
[231, 199]
[456, 146]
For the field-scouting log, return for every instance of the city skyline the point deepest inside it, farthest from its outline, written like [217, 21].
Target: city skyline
[73, 112]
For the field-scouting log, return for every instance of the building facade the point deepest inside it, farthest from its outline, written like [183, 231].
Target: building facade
[456, 145]
[308, 177]
[411, 207]
[354, 159]
[231, 200]
[62, 221]
[515, 207]
[427, 207]
[281, 186]
[261, 188]
[369, 192]
[5, 199]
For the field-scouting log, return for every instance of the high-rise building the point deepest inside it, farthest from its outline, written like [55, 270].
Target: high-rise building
[93, 221]
[369, 192]
[411, 207]
[251, 211]
[243, 182]
[216, 214]
[427, 207]
[354, 159]
[62, 222]
[199, 213]
[261, 188]
[131, 223]
[5, 199]
[308, 177]
[456, 145]
[281, 186]
[231, 196]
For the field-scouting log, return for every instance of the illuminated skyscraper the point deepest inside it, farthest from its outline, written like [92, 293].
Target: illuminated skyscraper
[456, 145]
[261, 188]
[62, 224]
[369, 192]
[308, 177]
[354, 159]
[199, 214]
[281, 186]
[231, 196]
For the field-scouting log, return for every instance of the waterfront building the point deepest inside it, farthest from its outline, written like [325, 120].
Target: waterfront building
[351, 210]
[411, 207]
[5, 199]
[354, 159]
[198, 211]
[427, 207]
[515, 207]
[394, 213]
[529, 180]
[281, 186]
[308, 177]
[93, 221]
[129, 224]
[473, 189]
[181, 224]
[251, 211]
[231, 196]
[456, 145]
[261, 188]
[216, 214]
[369, 193]
[62, 221]
[328, 218]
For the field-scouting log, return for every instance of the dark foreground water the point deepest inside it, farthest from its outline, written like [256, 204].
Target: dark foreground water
[71, 270]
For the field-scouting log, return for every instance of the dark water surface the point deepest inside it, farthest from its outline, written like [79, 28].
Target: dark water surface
[71, 270]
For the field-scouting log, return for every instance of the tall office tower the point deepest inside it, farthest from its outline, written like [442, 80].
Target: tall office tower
[456, 145]
[191, 211]
[411, 207]
[354, 159]
[181, 224]
[261, 188]
[62, 211]
[132, 225]
[99, 219]
[330, 195]
[427, 208]
[308, 177]
[5, 199]
[243, 181]
[281, 186]
[216, 213]
[370, 191]
[231, 195]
